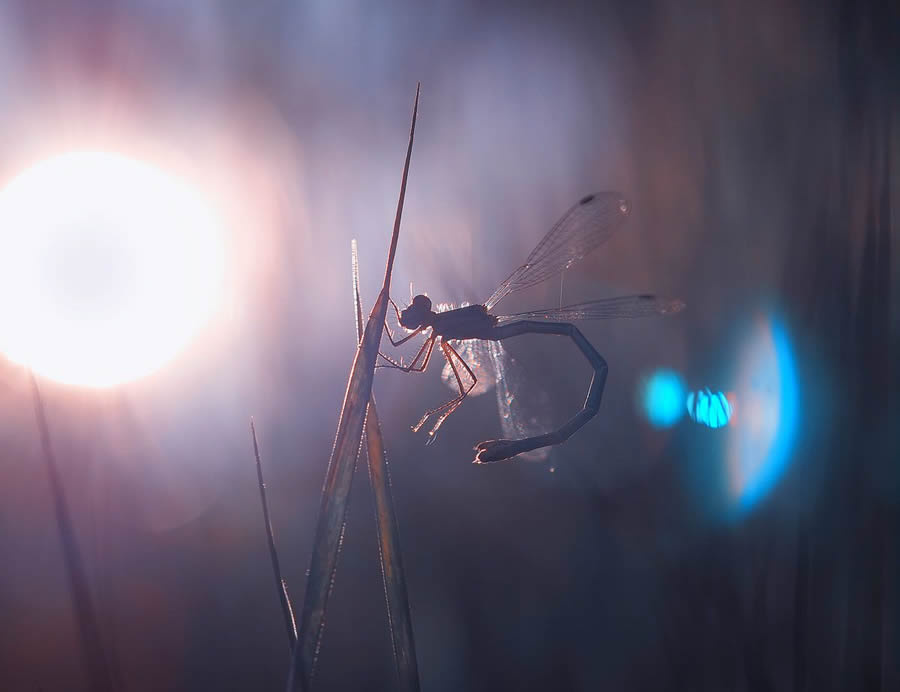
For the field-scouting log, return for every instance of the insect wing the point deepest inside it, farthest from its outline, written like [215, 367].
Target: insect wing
[583, 228]
[605, 309]
[521, 415]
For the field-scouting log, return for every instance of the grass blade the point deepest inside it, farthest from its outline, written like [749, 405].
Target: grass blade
[287, 609]
[98, 669]
[339, 476]
[395, 593]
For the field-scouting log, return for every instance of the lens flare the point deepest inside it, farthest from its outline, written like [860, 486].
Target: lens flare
[662, 396]
[761, 438]
[108, 268]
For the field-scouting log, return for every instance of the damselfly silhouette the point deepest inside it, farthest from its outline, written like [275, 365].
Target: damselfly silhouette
[583, 228]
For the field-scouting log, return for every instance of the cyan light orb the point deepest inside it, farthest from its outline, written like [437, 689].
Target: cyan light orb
[663, 398]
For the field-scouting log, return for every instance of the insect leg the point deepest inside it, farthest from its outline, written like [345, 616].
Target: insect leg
[427, 347]
[496, 450]
[390, 334]
[463, 394]
[404, 339]
[449, 353]
[399, 365]
[387, 327]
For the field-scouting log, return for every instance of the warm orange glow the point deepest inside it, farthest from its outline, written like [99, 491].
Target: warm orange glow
[732, 401]
[108, 268]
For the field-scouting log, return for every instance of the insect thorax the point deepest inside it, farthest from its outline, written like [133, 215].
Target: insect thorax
[470, 322]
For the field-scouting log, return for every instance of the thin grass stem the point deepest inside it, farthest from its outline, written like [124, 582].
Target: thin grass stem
[90, 640]
[284, 599]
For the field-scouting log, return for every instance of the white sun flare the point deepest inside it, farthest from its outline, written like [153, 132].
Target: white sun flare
[108, 268]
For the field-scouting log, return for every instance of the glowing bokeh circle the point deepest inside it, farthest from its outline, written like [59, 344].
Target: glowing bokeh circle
[662, 396]
[108, 268]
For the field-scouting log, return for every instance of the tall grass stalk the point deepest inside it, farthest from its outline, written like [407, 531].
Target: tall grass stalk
[339, 476]
[389, 554]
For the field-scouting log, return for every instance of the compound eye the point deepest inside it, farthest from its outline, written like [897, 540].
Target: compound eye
[422, 302]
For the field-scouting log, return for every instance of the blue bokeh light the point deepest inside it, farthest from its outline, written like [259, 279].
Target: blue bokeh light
[662, 398]
[706, 408]
[762, 435]
[751, 429]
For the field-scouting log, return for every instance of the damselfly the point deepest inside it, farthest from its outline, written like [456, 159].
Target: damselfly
[583, 228]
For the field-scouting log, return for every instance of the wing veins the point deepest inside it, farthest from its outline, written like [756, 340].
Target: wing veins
[584, 227]
[606, 308]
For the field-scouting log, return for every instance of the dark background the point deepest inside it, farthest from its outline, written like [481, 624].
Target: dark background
[757, 142]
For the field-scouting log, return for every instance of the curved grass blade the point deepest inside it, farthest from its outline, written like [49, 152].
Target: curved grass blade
[98, 669]
[287, 609]
[339, 476]
[395, 593]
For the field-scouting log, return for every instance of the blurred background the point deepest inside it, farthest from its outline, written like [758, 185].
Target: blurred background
[757, 142]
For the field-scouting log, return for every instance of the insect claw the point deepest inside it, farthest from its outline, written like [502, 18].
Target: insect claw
[494, 450]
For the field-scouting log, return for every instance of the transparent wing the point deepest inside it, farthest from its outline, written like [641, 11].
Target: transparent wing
[608, 308]
[586, 226]
[520, 415]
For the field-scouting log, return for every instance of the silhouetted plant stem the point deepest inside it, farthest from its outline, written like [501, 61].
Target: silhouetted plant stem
[339, 476]
[389, 554]
[90, 640]
[287, 609]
